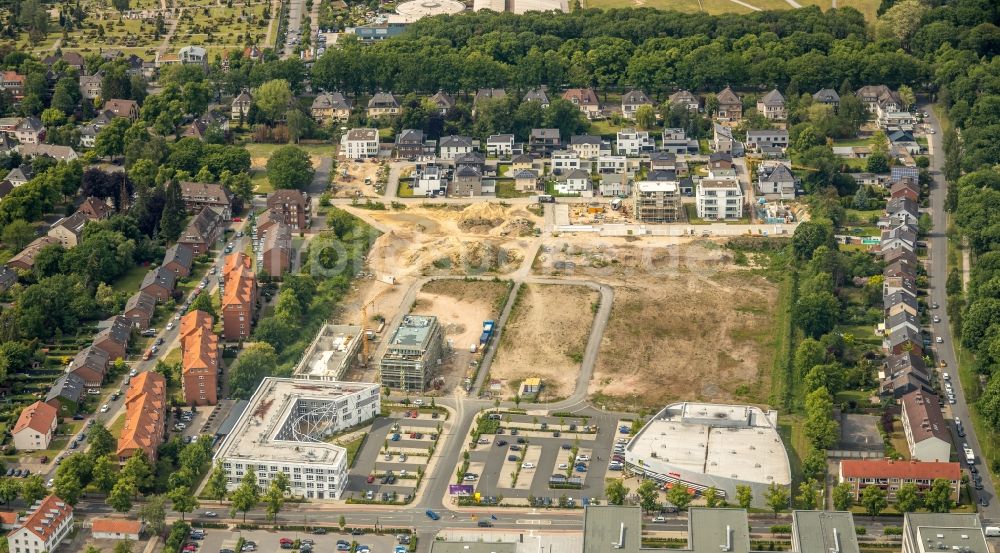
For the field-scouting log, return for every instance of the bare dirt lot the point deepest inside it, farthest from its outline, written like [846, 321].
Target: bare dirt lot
[461, 307]
[545, 336]
[686, 324]
[355, 178]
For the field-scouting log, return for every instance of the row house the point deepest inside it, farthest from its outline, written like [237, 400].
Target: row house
[295, 207]
[890, 475]
[927, 434]
[140, 309]
[200, 362]
[199, 195]
[203, 230]
[146, 409]
[239, 297]
[90, 365]
[159, 283]
[179, 259]
[113, 337]
[904, 373]
[274, 255]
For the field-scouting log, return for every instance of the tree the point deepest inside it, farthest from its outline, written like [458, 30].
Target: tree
[215, 488]
[906, 97]
[877, 163]
[274, 499]
[874, 501]
[901, 21]
[299, 125]
[712, 499]
[172, 218]
[744, 496]
[154, 513]
[137, 470]
[101, 441]
[645, 117]
[204, 303]
[68, 487]
[182, 500]
[648, 496]
[843, 497]
[257, 361]
[9, 489]
[272, 99]
[809, 496]
[908, 498]
[820, 428]
[110, 141]
[810, 235]
[816, 313]
[33, 489]
[124, 546]
[290, 167]
[18, 234]
[678, 495]
[120, 498]
[341, 522]
[938, 497]
[246, 496]
[616, 492]
[776, 497]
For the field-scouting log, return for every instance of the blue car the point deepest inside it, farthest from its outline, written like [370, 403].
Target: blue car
[395, 437]
[432, 515]
[624, 429]
[581, 468]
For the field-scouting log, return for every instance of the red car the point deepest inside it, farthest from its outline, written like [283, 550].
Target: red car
[371, 478]
[413, 435]
[415, 414]
[285, 540]
[237, 220]
[191, 548]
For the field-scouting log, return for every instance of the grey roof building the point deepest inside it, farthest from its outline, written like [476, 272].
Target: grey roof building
[68, 387]
[960, 532]
[827, 96]
[823, 531]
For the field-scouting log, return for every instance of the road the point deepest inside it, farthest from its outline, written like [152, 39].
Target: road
[295, 10]
[170, 341]
[938, 274]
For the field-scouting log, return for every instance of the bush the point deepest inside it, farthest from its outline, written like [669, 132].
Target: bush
[781, 529]
[860, 530]
[892, 531]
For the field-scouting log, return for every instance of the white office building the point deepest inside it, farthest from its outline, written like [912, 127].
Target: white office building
[284, 429]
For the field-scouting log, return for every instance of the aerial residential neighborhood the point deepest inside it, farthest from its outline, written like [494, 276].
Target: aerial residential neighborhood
[484, 277]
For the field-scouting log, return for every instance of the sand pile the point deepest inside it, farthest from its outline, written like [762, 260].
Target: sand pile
[455, 256]
[482, 217]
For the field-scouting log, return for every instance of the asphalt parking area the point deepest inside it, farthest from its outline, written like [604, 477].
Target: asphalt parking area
[394, 456]
[268, 540]
[540, 445]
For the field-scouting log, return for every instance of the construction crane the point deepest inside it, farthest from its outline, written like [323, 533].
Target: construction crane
[365, 347]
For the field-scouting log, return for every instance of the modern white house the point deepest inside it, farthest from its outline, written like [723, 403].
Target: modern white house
[575, 182]
[500, 145]
[453, 146]
[564, 161]
[429, 181]
[631, 142]
[611, 164]
[359, 144]
[719, 199]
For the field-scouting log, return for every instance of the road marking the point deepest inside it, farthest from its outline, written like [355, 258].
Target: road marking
[534, 522]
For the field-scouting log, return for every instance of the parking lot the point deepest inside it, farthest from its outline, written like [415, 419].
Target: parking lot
[394, 456]
[268, 541]
[542, 446]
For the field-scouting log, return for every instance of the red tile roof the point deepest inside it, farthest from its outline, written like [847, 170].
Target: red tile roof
[45, 520]
[885, 468]
[116, 526]
[38, 416]
[145, 405]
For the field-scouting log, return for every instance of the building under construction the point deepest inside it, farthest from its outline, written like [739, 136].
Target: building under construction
[657, 202]
[413, 350]
[331, 353]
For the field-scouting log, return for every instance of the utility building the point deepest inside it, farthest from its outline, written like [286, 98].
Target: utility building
[413, 350]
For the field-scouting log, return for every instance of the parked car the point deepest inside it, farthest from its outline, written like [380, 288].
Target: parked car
[210, 514]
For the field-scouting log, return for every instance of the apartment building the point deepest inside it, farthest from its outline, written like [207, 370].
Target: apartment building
[239, 299]
[657, 202]
[204, 229]
[630, 142]
[359, 144]
[146, 409]
[718, 199]
[46, 525]
[294, 205]
[199, 195]
[35, 427]
[927, 434]
[891, 475]
[200, 361]
[935, 532]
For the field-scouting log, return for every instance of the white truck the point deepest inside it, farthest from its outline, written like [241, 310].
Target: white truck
[970, 456]
[992, 531]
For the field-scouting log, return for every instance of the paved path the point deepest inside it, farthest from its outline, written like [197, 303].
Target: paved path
[938, 273]
[170, 34]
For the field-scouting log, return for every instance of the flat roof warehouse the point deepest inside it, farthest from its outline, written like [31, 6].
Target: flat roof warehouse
[730, 441]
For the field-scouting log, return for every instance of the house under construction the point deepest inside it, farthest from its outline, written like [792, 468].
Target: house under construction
[657, 201]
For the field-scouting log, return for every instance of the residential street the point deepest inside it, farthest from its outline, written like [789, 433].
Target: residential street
[938, 272]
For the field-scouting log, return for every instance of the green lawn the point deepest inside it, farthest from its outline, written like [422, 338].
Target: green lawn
[853, 142]
[265, 150]
[505, 189]
[405, 189]
[130, 281]
[261, 184]
[117, 426]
